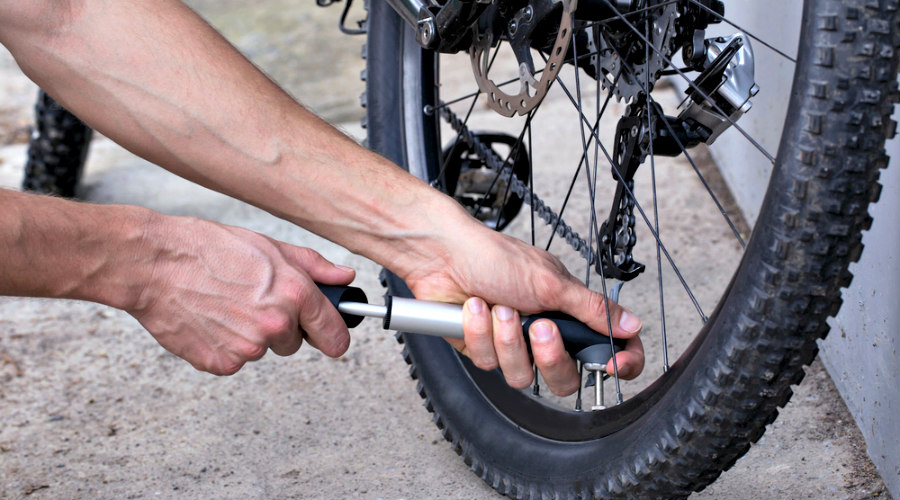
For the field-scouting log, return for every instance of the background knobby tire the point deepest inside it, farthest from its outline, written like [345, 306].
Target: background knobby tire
[57, 150]
[703, 415]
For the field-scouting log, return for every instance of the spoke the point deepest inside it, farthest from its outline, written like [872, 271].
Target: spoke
[690, 82]
[631, 13]
[512, 152]
[580, 378]
[512, 172]
[721, 208]
[662, 304]
[536, 390]
[742, 30]
[593, 223]
[621, 179]
[583, 157]
[446, 161]
[531, 181]
[593, 189]
[474, 96]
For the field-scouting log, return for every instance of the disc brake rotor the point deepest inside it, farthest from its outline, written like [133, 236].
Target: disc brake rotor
[532, 88]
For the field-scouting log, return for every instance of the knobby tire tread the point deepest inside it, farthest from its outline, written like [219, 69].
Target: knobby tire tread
[57, 150]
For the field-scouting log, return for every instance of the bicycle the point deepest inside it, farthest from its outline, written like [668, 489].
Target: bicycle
[704, 399]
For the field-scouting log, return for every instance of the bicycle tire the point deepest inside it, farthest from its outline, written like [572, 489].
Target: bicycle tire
[57, 150]
[718, 398]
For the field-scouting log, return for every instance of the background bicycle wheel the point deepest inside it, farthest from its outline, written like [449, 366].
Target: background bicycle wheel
[90, 397]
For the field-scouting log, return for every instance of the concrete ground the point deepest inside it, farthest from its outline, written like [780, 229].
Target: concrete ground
[92, 407]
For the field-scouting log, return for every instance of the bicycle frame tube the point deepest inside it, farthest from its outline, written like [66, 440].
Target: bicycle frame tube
[409, 9]
[440, 24]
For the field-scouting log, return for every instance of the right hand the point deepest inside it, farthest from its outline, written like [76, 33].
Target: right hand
[498, 277]
[219, 296]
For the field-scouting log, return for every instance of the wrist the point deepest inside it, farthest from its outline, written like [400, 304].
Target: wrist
[124, 254]
[434, 233]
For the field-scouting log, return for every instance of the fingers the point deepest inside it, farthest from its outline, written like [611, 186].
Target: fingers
[478, 328]
[495, 339]
[321, 323]
[283, 333]
[591, 308]
[320, 269]
[512, 353]
[630, 362]
[556, 366]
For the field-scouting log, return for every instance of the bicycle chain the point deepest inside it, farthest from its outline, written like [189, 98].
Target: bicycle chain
[538, 206]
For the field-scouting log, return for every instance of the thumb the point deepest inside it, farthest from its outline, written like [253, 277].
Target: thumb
[592, 308]
[320, 269]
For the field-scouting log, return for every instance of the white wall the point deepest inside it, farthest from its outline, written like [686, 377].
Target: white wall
[861, 352]
[749, 176]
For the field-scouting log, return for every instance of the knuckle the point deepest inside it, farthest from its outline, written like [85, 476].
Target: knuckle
[275, 323]
[486, 363]
[250, 351]
[565, 389]
[225, 367]
[551, 359]
[548, 286]
[303, 294]
[519, 381]
[478, 336]
[508, 341]
[597, 303]
[307, 255]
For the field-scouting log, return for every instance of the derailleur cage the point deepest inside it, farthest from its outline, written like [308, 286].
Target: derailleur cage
[617, 234]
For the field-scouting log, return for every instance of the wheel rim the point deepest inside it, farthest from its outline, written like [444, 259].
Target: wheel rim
[531, 413]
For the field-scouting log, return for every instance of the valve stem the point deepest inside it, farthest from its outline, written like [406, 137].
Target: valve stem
[598, 370]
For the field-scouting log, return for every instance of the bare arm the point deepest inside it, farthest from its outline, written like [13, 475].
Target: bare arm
[157, 79]
[176, 275]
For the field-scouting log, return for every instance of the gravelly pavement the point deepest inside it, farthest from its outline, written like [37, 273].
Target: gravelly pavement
[92, 407]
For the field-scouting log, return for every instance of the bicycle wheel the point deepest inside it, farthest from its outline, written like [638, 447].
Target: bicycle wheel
[730, 320]
[57, 150]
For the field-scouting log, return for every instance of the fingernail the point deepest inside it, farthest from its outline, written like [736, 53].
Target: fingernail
[629, 322]
[541, 331]
[503, 313]
[344, 268]
[475, 306]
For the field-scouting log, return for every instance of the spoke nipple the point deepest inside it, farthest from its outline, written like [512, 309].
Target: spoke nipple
[428, 110]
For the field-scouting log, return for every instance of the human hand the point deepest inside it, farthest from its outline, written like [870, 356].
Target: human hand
[219, 296]
[498, 277]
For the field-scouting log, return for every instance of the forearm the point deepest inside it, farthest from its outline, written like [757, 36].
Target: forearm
[57, 248]
[158, 80]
